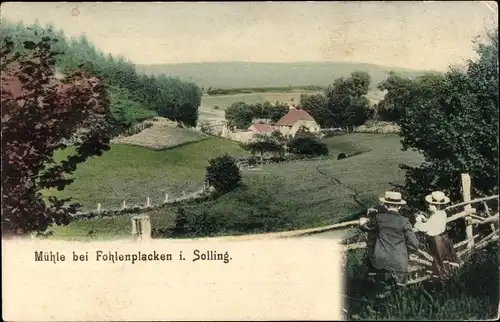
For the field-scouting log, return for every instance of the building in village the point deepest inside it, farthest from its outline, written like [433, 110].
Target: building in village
[294, 120]
[261, 128]
[288, 125]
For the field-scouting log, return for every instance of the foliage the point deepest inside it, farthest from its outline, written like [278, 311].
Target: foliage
[398, 91]
[239, 115]
[344, 103]
[472, 294]
[264, 143]
[223, 173]
[126, 111]
[304, 131]
[168, 97]
[316, 106]
[197, 223]
[453, 122]
[273, 112]
[38, 113]
[307, 146]
[205, 128]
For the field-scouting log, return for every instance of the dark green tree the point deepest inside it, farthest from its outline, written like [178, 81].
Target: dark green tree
[239, 115]
[277, 111]
[455, 128]
[223, 173]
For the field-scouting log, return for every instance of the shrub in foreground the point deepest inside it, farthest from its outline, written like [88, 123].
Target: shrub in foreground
[472, 293]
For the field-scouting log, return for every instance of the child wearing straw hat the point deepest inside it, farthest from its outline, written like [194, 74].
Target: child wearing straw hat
[440, 247]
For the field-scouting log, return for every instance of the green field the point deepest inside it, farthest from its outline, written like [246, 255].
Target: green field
[133, 173]
[306, 191]
[261, 74]
[223, 101]
[291, 98]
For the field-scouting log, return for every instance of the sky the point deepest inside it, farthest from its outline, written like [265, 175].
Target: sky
[418, 35]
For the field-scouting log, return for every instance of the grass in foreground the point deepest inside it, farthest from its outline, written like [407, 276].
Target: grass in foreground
[298, 194]
[472, 294]
[133, 173]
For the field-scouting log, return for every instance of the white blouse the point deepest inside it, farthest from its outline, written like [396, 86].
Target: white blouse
[434, 225]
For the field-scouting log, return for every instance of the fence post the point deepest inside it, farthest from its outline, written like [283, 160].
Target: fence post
[166, 197]
[141, 227]
[466, 193]
[98, 207]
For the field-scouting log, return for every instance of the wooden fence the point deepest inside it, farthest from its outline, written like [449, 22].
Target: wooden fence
[421, 261]
[473, 241]
[147, 206]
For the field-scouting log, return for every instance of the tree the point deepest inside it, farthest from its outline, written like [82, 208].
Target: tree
[344, 103]
[347, 102]
[223, 173]
[307, 146]
[168, 97]
[400, 91]
[263, 143]
[38, 113]
[456, 129]
[277, 111]
[239, 115]
[316, 106]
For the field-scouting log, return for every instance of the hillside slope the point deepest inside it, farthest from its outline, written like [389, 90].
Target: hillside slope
[255, 74]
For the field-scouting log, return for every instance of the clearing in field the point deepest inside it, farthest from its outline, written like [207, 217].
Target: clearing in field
[310, 193]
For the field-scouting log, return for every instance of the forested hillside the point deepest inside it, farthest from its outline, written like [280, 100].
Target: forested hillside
[134, 96]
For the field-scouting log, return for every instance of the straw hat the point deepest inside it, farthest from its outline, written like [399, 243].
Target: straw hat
[392, 197]
[437, 198]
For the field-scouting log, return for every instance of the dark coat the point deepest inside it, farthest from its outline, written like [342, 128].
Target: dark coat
[390, 236]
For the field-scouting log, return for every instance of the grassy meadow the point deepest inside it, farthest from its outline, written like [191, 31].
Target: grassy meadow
[302, 193]
[223, 101]
[291, 98]
[132, 173]
[467, 295]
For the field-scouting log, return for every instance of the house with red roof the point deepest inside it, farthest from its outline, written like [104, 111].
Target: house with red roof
[294, 120]
[258, 128]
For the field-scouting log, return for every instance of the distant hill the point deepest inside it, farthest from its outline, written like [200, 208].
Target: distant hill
[250, 74]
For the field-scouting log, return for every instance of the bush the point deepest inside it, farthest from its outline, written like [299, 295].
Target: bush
[194, 224]
[307, 146]
[205, 128]
[342, 156]
[223, 173]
